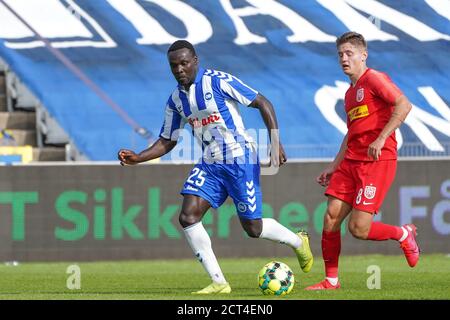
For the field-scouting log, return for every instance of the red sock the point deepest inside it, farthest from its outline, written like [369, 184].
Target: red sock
[331, 248]
[380, 232]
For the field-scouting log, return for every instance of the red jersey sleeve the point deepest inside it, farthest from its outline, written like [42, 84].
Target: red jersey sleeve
[383, 87]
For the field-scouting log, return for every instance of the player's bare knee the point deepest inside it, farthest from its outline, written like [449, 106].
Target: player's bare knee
[252, 229]
[187, 219]
[331, 222]
[358, 231]
[253, 233]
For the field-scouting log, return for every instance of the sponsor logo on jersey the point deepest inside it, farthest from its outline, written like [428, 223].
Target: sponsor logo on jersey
[358, 112]
[196, 122]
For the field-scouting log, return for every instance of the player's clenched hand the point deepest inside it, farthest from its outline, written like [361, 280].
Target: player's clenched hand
[128, 157]
[277, 156]
[374, 150]
[324, 178]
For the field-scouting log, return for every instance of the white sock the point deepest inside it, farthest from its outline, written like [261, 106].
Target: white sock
[273, 230]
[200, 243]
[333, 281]
[405, 234]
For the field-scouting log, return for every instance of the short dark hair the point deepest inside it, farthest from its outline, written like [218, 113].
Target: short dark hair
[352, 37]
[180, 44]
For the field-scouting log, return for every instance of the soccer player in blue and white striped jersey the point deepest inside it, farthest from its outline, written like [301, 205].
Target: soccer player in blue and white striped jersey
[208, 100]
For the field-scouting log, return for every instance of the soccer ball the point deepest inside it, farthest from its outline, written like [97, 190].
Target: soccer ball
[276, 278]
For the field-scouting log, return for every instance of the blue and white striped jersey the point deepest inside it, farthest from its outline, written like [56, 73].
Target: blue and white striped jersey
[211, 108]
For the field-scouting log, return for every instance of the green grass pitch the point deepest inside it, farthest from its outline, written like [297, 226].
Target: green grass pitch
[175, 279]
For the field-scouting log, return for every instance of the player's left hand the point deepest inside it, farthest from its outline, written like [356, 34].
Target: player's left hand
[278, 157]
[375, 147]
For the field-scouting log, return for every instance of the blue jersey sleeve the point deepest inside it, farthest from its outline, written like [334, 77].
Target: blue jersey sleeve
[235, 89]
[173, 122]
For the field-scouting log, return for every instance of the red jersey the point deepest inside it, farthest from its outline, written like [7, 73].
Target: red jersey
[369, 105]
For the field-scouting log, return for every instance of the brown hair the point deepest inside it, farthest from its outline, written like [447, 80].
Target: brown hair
[352, 37]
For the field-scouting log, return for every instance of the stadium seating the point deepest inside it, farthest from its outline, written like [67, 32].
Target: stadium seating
[22, 138]
[10, 154]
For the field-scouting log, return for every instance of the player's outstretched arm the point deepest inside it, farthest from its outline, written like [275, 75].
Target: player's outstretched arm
[270, 120]
[156, 150]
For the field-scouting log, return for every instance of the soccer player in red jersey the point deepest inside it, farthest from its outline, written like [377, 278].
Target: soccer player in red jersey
[360, 176]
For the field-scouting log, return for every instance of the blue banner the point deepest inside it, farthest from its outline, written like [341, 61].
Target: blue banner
[284, 49]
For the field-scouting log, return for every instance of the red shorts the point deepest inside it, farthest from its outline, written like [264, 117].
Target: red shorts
[362, 184]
